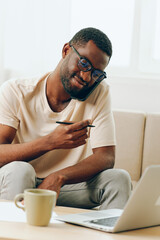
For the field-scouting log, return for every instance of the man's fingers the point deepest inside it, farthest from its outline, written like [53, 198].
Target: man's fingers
[79, 134]
[79, 125]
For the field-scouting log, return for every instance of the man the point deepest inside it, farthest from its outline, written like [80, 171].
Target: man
[74, 160]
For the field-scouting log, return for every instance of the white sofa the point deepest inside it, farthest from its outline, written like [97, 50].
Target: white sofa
[138, 141]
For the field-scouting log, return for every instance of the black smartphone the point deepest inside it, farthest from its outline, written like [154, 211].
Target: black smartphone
[85, 95]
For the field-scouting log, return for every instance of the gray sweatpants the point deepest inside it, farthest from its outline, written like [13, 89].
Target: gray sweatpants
[108, 189]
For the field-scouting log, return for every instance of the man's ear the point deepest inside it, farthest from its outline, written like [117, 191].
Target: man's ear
[66, 49]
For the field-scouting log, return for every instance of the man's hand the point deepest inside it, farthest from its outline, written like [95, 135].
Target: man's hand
[68, 136]
[52, 182]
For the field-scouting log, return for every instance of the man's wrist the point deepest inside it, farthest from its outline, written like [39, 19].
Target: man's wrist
[45, 141]
[61, 179]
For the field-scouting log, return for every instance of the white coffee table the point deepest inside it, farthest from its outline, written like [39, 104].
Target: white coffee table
[64, 231]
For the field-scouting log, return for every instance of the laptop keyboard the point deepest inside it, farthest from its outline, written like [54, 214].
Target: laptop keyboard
[110, 222]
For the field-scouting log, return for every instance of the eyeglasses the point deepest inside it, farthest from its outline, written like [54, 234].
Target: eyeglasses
[85, 66]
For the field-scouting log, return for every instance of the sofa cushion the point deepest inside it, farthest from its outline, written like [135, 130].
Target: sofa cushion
[129, 134]
[151, 150]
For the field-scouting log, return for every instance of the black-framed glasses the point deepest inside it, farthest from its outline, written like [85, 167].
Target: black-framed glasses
[85, 66]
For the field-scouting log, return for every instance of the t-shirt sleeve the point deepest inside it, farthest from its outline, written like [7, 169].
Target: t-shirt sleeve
[9, 105]
[103, 134]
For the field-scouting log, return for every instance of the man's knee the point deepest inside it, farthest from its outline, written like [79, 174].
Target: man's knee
[115, 174]
[15, 177]
[116, 184]
[121, 177]
[18, 171]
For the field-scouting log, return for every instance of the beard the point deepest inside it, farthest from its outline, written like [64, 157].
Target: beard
[73, 91]
[66, 79]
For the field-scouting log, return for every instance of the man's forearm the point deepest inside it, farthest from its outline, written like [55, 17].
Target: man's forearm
[87, 168]
[101, 159]
[22, 152]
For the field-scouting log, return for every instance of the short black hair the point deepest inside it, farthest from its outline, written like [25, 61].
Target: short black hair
[97, 36]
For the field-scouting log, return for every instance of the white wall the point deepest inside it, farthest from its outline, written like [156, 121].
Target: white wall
[135, 94]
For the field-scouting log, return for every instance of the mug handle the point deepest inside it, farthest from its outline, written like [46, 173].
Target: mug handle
[17, 198]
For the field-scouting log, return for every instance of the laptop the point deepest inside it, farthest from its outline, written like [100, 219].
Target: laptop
[142, 209]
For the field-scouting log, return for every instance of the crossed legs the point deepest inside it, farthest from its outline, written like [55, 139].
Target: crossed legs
[108, 189]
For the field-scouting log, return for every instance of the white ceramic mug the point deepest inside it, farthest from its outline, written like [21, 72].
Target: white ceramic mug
[38, 205]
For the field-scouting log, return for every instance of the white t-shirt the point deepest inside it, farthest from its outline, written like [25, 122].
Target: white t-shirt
[24, 106]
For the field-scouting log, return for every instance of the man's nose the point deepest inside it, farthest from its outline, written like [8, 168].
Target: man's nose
[86, 76]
